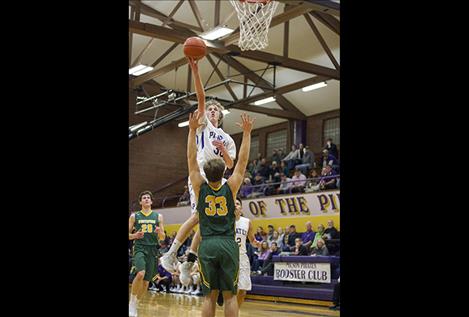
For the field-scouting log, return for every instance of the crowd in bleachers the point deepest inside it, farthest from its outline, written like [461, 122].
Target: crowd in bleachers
[324, 241]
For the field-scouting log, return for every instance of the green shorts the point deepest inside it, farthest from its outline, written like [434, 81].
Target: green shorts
[145, 259]
[219, 264]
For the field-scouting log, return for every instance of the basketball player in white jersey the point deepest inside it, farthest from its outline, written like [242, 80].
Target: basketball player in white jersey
[212, 142]
[243, 229]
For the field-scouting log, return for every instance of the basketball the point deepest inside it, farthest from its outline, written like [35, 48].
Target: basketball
[195, 47]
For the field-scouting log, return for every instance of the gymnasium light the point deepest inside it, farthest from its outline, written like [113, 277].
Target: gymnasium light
[186, 123]
[216, 33]
[139, 70]
[263, 101]
[137, 126]
[315, 86]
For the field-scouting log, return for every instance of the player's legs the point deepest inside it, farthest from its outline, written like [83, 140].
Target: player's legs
[208, 306]
[187, 266]
[137, 285]
[244, 283]
[168, 260]
[241, 296]
[231, 304]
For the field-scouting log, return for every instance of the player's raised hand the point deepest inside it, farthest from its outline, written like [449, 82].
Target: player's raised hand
[194, 120]
[139, 235]
[219, 145]
[246, 123]
[193, 64]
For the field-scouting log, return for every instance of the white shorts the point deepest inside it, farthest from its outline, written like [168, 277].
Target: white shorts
[244, 280]
[192, 194]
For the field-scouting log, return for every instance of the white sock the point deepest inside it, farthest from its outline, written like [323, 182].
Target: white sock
[133, 299]
[175, 246]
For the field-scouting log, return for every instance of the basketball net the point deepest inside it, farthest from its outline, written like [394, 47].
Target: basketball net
[254, 21]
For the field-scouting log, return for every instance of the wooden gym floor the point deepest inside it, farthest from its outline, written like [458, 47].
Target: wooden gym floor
[179, 305]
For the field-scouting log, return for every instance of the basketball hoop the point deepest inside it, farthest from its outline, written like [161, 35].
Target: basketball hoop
[254, 21]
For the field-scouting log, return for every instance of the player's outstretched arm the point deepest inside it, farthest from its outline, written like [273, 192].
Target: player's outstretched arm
[199, 88]
[194, 171]
[237, 178]
[161, 234]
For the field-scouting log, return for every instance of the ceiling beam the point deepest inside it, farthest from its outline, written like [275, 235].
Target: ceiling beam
[169, 50]
[158, 72]
[172, 35]
[149, 11]
[282, 101]
[198, 16]
[328, 20]
[326, 6]
[286, 62]
[294, 12]
[322, 41]
[220, 75]
[170, 16]
[286, 34]
[216, 18]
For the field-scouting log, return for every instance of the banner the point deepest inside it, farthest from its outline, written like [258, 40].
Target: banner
[280, 206]
[311, 204]
[302, 272]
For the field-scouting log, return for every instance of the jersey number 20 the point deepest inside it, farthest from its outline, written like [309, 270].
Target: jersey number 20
[212, 206]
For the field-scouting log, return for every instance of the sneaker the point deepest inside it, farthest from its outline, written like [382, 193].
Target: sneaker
[169, 262]
[185, 276]
[189, 291]
[132, 310]
[220, 299]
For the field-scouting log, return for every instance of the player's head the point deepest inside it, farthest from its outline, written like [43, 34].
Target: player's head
[238, 207]
[214, 170]
[145, 198]
[214, 111]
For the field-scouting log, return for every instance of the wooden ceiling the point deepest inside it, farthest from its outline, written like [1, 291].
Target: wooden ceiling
[315, 15]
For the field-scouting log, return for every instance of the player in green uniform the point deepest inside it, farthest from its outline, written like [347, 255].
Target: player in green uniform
[149, 228]
[218, 250]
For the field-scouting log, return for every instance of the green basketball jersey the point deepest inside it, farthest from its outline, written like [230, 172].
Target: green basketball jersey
[216, 210]
[147, 225]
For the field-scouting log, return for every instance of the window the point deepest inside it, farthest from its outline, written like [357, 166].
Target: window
[332, 130]
[254, 147]
[276, 140]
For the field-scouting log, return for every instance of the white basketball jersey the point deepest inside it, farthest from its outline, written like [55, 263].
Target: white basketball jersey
[205, 135]
[242, 227]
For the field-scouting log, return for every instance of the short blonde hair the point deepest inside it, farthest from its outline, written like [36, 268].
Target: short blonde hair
[213, 102]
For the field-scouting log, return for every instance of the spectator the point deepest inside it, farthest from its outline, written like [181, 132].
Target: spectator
[281, 154]
[275, 156]
[284, 169]
[291, 158]
[313, 184]
[275, 172]
[331, 148]
[253, 167]
[285, 185]
[270, 232]
[264, 169]
[307, 161]
[329, 159]
[328, 181]
[299, 182]
[292, 235]
[318, 236]
[268, 266]
[259, 157]
[331, 232]
[281, 234]
[274, 238]
[299, 248]
[246, 188]
[308, 236]
[320, 249]
[262, 255]
[260, 234]
[284, 246]
[259, 187]
[163, 279]
[184, 200]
